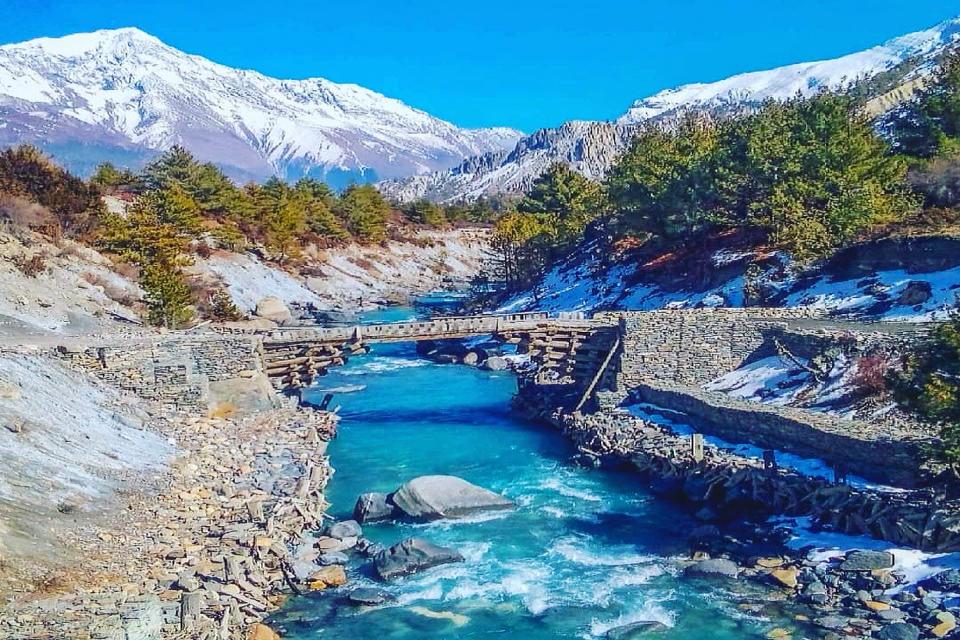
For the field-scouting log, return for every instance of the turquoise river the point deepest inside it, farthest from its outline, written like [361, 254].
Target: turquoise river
[585, 551]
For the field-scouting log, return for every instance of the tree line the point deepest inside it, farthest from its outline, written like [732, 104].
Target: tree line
[806, 175]
[179, 207]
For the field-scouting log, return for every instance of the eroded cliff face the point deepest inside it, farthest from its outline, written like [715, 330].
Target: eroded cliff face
[588, 147]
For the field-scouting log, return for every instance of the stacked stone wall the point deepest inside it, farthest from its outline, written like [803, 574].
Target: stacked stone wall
[866, 449]
[693, 346]
[174, 372]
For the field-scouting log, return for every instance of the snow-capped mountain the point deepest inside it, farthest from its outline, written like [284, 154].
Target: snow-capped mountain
[122, 95]
[591, 147]
[805, 78]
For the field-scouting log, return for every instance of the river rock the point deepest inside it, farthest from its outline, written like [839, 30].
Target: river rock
[714, 567]
[916, 292]
[345, 529]
[948, 580]
[365, 597]
[373, 507]
[636, 630]
[496, 363]
[273, 308]
[436, 497]
[331, 576]
[412, 556]
[334, 557]
[899, 631]
[867, 561]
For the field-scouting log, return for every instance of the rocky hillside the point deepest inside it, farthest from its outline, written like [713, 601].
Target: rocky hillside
[122, 95]
[590, 147]
[49, 290]
[911, 279]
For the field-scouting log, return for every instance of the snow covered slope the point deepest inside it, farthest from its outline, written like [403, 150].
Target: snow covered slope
[123, 94]
[591, 147]
[902, 287]
[804, 78]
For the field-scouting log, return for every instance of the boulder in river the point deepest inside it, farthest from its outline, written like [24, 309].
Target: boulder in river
[412, 556]
[366, 597]
[636, 630]
[373, 507]
[496, 363]
[345, 529]
[713, 568]
[436, 497]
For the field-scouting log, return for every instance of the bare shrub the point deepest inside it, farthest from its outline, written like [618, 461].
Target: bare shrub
[32, 266]
[871, 375]
[119, 295]
[19, 212]
[204, 250]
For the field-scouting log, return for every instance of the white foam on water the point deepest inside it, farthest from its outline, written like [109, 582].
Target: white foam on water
[554, 484]
[347, 388]
[383, 364]
[573, 549]
[528, 582]
[650, 611]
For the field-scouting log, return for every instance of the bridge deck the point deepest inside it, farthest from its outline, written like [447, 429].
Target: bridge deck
[437, 328]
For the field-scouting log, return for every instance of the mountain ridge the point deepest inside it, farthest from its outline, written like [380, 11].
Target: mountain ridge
[514, 171]
[127, 91]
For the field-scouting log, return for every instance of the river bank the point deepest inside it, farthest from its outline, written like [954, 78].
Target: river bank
[856, 586]
[203, 551]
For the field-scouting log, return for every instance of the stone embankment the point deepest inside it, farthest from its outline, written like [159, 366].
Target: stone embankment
[210, 555]
[858, 594]
[877, 452]
[737, 486]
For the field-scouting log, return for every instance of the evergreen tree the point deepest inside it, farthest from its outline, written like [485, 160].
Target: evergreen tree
[426, 213]
[365, 212]
[930, 124]
[563, 202]
[167, 296]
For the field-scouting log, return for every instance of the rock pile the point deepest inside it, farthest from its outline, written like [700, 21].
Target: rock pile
[211, 554]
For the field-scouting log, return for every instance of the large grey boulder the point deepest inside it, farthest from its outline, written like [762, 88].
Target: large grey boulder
[412, 556]
[345, 529]
[713, 568]
[496, 363]
[867, 561]
[373, 507]
[273, 308]
[436, 497]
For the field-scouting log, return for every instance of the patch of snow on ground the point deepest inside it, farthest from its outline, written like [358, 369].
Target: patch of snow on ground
[678, 423]
[857, 295]
[915, 565]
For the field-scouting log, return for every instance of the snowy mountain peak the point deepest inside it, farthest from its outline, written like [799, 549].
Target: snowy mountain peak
[124, 95]
[804, 78]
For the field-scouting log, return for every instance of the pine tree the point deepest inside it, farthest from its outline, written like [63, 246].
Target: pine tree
[167, 296]
[365, 211]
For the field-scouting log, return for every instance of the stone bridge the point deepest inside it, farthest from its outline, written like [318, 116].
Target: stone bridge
[294, 357]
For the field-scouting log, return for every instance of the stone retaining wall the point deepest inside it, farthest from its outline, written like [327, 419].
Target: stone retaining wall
[693, 346]
[731, 483]
[175, 371]
[868, 450]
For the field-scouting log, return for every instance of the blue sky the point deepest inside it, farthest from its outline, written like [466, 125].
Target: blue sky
[526, 64]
